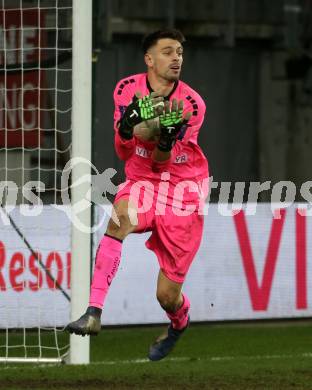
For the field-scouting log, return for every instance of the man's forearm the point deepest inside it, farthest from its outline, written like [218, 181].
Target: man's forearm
[124, 148]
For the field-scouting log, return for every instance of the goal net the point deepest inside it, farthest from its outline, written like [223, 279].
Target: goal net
[35, 145]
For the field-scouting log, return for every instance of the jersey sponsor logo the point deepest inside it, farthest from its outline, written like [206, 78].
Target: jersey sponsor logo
[142, 152]
[182, 158]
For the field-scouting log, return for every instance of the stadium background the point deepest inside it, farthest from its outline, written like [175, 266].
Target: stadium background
[250, 60]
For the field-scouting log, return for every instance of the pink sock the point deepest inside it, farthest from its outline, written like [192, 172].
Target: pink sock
[180, 317]
[106, 265]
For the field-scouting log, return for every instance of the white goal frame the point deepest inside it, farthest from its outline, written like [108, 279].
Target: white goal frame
[81, 147]
[81, 124]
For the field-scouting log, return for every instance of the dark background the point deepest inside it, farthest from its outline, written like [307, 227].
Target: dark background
[250, 60]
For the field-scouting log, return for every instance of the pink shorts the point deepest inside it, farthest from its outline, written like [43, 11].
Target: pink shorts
[175, 239]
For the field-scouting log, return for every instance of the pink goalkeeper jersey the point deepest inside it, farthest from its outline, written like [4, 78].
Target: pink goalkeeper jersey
[187, 162]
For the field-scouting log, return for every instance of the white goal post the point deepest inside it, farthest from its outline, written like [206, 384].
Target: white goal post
[81, 127]
[45, 122]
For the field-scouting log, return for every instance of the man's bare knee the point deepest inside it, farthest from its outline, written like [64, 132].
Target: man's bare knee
[119, 229]
[121, 224]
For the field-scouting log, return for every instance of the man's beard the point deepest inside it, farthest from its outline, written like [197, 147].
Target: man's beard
[172, 78]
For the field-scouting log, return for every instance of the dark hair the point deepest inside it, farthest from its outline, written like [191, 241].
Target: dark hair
[151, 39]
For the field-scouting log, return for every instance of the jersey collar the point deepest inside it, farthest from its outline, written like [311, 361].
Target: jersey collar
[165, 97]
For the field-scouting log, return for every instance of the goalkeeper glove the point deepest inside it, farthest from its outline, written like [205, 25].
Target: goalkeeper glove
[171, 123]
[139, 110]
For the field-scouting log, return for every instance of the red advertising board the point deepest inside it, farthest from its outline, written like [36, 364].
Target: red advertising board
[21, 81]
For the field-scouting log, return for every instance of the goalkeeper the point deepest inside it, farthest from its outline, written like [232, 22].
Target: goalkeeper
[173, 158]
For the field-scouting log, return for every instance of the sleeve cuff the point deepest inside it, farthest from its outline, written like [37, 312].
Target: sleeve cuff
[128, 143]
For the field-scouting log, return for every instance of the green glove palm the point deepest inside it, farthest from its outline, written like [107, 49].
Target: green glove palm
[171, 123]
[139, 110]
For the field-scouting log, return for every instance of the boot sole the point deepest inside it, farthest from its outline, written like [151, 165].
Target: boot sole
[81, 332]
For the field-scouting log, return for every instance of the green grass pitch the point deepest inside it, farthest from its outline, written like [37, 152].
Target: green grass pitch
[229, 356]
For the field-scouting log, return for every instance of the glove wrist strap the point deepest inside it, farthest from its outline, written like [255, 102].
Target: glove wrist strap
[166, 144]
